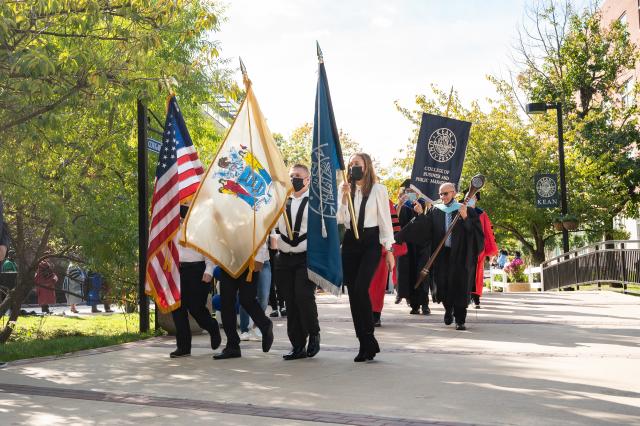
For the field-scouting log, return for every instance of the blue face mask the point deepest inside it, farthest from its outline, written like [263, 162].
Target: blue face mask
[472, 202]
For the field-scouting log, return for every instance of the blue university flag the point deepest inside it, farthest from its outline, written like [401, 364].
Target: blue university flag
[324, 263]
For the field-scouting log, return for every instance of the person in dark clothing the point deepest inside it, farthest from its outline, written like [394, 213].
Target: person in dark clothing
[196, 272]
[360, 256]
[246, 292]
[291, 271]
[455, 265]
[417, 255]
[276, 298]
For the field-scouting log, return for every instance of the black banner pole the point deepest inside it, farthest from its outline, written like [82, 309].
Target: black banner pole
[143, 218]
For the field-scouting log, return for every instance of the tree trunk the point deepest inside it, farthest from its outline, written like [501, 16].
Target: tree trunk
[13, 301]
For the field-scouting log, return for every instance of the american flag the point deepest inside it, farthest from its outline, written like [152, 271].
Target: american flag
[177, 179]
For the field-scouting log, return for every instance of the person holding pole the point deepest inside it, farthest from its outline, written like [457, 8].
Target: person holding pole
[454, 265]
[361, 246]
[291, 270]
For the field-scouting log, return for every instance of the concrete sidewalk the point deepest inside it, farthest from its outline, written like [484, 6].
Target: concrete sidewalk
[570, 358]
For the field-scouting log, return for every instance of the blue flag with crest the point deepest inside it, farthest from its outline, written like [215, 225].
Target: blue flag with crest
[324, 262]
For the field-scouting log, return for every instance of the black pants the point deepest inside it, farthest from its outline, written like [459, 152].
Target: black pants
[193, 294]
[360, 259]
[448, 291]
[419, 296]
[247, 292]
[276, 296]
[299, 294]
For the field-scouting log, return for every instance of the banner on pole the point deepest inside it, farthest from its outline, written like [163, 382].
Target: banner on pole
[546, 188]
[442, 145]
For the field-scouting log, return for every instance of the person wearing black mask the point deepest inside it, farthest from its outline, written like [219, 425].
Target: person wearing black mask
[360, 256]
[291, 271]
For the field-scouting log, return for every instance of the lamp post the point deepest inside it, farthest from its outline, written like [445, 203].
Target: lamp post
[540, 108]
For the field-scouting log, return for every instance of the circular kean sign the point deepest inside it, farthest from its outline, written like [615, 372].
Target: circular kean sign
[546, 187]
[442, 145]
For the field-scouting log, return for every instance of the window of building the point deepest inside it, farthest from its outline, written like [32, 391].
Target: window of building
[623, 18]
[627, 95]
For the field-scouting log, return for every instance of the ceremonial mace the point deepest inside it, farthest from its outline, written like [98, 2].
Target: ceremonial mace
[477, 182]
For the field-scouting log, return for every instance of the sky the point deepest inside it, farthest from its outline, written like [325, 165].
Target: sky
[375, 52]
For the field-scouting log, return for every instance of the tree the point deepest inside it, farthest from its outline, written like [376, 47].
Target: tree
[70, 76]
[297, 149]
[506, 148]
[574, 58]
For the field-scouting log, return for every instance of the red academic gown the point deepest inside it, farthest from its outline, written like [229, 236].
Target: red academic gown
[46, 280]
[379, 281]
[490, 249]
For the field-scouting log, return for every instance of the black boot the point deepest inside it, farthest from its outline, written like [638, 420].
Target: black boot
[362, 353]
[314, 345]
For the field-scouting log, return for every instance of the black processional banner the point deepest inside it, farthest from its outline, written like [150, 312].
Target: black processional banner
[546, 186]
[442, 145]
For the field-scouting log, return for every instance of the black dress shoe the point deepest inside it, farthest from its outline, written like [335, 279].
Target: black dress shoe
[314, 345]
[426, 310]
[362, 356]
[267, 338]
[398, 300]
[377, 323]
[283, 312]
[178, 353]
[296, 353]
[415, 311]
[214, 335]
[274, 313]
[460, 327]
[448, 318]
[228, 353]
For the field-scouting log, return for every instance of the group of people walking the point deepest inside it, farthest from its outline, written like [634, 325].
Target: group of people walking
[368, 252]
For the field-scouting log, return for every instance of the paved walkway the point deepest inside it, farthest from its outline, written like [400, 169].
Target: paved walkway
[527, 359]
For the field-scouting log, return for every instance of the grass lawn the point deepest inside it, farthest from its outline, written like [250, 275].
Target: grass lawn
[56, 335]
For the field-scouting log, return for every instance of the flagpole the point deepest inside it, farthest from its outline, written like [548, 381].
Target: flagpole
[352, 212]
[446, 113]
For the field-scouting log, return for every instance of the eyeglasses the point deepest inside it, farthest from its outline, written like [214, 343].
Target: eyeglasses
[442, 194]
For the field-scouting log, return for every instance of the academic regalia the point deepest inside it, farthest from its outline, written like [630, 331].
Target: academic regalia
[490, 249]
[409, 265]
[456, 262]
[378, 285]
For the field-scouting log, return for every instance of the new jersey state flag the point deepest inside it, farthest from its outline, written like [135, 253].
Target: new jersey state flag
[242, 194]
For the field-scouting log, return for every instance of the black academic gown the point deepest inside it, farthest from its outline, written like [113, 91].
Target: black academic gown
[451, 277]
[409, 264]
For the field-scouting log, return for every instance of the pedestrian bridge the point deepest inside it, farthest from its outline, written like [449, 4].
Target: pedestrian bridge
[551, 358]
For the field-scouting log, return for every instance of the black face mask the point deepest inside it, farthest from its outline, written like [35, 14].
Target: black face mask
[298, 183]
[355, 172]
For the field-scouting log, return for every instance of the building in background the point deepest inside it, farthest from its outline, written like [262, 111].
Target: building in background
[627, 12]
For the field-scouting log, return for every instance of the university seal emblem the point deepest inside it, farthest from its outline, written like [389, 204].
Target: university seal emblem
[442, 145]
[546, 187]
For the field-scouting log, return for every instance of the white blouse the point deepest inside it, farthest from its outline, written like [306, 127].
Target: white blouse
[376, 212]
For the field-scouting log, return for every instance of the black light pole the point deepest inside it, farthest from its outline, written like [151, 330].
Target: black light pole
[538, 108]
[143, 219]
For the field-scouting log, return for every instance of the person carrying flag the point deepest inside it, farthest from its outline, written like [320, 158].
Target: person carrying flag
[291, 270]
[360, 256]
[178, 278]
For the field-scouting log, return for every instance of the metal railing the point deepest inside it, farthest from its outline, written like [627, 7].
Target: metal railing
[608, 262]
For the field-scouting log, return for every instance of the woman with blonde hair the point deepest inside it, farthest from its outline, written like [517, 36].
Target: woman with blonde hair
[360, 256]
